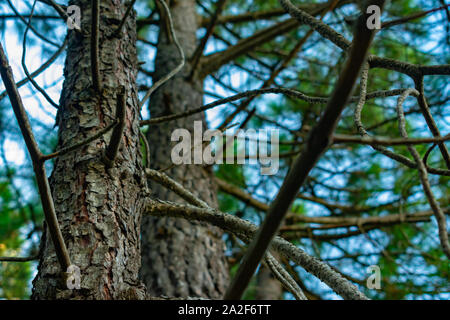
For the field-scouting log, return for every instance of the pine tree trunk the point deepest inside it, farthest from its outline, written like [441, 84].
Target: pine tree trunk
[180, 258]
[99, 209]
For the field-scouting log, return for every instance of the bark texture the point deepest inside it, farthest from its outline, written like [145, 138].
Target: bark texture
[268, 287]
[99, 209]
[180, 258]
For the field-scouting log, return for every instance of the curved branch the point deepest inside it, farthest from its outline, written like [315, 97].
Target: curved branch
[439, 214]
[244, 229]
[317, 143]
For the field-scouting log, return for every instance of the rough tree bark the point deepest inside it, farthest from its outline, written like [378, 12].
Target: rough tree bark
[180, 258]
[99, 209]
[267, 286]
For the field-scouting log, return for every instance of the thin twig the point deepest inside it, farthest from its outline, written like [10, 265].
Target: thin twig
[19, 259]
[440, 217]
[318, 142]
[284, 277]
[209, 31]
[245, 230]
[31, 27]
[341, 138]
[62, 13]
[78, 145]
[24, 65]
[39, 70]
[252, 93]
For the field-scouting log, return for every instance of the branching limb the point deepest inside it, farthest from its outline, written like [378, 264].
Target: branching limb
[24, 65]
[253, 93]
[439, 214]
[365, 135]
[244, 229]
[39, 70]
[39, 35]
[19, 259]
[412, 70]
[284, 277]
[318, 141]
[78, 145]
[275, 267]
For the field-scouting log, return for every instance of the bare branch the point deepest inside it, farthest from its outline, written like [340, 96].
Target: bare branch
[19, 259]
[411, 17]
[174, 186]
[440, 217]
[38, 164]
[284, 277]
[341, 138]
[39, 70]
[39, 35]
[24, 66]
[318, 142]
[244, 229]
[253, 93]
